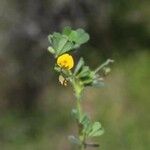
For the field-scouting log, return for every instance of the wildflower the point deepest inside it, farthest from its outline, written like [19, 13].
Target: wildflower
[65, 61]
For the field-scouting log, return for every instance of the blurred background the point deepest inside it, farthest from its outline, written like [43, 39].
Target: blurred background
[35, 108]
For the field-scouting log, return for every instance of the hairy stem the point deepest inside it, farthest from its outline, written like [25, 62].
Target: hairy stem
[79, 109]
[104, 64]
[80, 127]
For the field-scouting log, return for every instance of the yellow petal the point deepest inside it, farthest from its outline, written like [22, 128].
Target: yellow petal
[65, 61]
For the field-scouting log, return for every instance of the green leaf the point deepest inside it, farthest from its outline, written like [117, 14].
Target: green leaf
[87, 129]
[98, 133]
[87, 125]
[67, 40]
[84, 120]
[78, 36]
[60, 43]
[84, 72]
[56, 68]
[67, 47]
[96, 126]
[73, 36]
[83, 37]
[63, 40]
[55, 40]
[79, 65]
[87, 81]
[96, 130]
[51, 50]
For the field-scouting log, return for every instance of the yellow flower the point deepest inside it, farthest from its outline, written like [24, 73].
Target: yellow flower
[65, 61]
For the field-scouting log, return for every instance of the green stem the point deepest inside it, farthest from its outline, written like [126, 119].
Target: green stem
[79, 109]
[80, 127]
[103, 65]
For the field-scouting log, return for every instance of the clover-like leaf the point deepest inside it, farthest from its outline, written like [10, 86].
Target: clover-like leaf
[96, 130]
[78, 36]
[60, 43]
[67, 40]
[84, 74]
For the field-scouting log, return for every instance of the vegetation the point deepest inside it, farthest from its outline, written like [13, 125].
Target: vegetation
[121, 106]
[33, 116]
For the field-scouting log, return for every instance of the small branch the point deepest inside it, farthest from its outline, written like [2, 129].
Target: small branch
[103, 65]
[79, 109]
[80, 127]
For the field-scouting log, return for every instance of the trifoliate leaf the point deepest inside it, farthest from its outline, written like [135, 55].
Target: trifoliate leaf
[67, 40]
[60, 43]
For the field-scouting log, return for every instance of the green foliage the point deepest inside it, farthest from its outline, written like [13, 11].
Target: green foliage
[95, 130]
[86, 77]
[66, 41]
[78, 36]
[123, 105]
[80, 78]
[90, 129]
